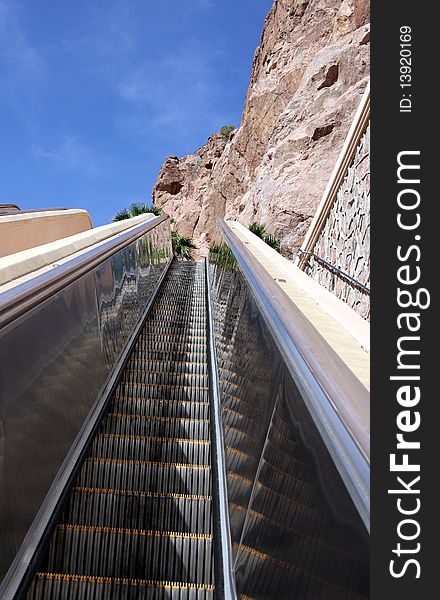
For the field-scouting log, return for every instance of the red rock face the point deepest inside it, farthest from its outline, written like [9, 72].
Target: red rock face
[308, 76]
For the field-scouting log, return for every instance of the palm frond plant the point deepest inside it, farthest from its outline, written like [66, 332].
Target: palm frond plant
[260, 230]
[135, 209]
[221, 254]
[121, 215]
[183, 246]
[273, 242]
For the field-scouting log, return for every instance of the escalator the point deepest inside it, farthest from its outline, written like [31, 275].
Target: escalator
[138, 521]
[175, 439]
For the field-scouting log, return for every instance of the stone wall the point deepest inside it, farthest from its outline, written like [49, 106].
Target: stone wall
[345, 238]
[308, 76]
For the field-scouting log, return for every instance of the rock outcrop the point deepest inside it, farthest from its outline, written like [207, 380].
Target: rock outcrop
[184, 184]
[308, 75]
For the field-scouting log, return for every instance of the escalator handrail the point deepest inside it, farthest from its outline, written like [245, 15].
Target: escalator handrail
[223, 563]
[326, 384]
[24, 296]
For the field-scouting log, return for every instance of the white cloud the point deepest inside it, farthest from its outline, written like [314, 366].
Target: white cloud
[20, 63]
[69, 155]
[110, 34]
[177, 91]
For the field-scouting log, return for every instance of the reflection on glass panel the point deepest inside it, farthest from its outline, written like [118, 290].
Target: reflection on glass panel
[294, 529]
[246, 386]
[53, 362]
[125, 283]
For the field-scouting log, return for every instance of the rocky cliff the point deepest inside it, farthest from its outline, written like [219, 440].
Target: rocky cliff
[308, 75]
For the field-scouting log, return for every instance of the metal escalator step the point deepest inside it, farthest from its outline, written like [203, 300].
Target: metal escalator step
[56, 586]
[138, 521]
[144, 476]
[161, 407]
[168, 366]
[157, 449]
[200, 321]
[156, 426]
[131, 553]
[191, 327]
[196, 357]
[171, 328]
[183, 318]
[174, 345]
[168, 391]
[145, 377]
[179, 303]
[137, 510]
[183, 336]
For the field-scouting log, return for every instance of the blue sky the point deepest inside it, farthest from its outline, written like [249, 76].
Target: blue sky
[95, 94]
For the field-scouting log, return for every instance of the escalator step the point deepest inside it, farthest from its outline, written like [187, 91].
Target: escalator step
[157, 449]
[144, 476]
[170, 355]
[168, 366]
[186, 333]
[144, 377]
[161, 407]
[131, 553]
[156, 426]
[138, 521]
[55, 586]
[137, 510]
[191, 332]
[166, 391]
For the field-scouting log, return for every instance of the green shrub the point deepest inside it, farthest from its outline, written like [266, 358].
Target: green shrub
[221, 254]
[121, 215]
[183, 246]
[136, 209]
[226, 131]
[273, 242]
[259, 229]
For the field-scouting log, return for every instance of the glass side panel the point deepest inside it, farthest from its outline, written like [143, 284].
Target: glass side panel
[54, 360]
[295, 530]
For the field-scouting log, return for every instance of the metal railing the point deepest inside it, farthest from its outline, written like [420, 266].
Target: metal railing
[13, 209]
[223, 565]
[8, 209]
[335, 270]
[358, 127]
